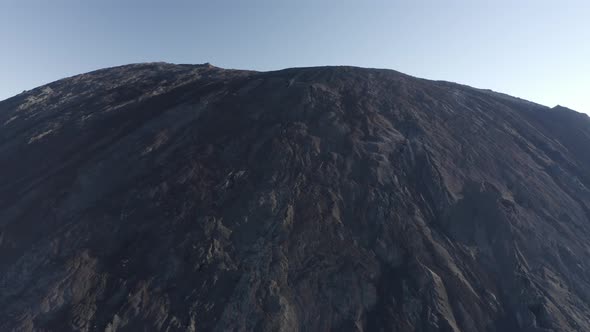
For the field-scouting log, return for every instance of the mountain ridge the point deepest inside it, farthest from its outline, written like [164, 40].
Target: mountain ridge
[208, 64]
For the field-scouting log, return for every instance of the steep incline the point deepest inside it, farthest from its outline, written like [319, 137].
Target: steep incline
[166, 197]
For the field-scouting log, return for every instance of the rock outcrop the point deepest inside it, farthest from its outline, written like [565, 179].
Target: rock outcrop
[158, 197]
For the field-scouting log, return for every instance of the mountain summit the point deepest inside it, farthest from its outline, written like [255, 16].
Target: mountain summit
[159, 197]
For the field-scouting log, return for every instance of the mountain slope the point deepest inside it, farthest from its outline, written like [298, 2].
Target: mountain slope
[193, 198]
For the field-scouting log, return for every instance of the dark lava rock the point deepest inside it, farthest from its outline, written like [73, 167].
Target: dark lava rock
[158, 197]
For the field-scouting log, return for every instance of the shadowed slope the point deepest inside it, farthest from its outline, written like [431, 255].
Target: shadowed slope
[178, 197]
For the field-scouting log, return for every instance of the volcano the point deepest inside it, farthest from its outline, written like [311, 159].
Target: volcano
[161, 197]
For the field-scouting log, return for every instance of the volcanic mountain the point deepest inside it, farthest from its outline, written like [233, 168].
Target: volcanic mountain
[160, 197]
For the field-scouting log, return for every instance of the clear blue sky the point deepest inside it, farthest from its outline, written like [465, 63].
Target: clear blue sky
[534, 49]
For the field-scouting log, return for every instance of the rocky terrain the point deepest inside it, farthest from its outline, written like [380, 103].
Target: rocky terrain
[159, 197]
